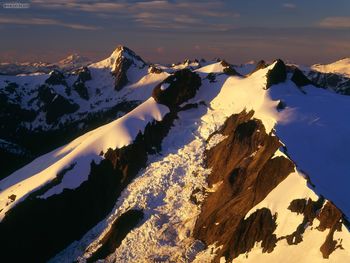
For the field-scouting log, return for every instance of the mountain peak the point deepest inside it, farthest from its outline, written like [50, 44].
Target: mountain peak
[73, 58]
[121, 53]
[73, 61]
[125, 52]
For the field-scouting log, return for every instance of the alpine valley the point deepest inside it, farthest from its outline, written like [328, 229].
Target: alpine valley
[202, 161]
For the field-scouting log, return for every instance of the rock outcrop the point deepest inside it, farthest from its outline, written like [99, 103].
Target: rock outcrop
[260, 65]
[119, 229]
[300, 79]
[329, 216]
[177, 88]
[79, 85]
[277, 74]
[244, 171]
[336, 82]
[54, 104]
[124, 58]
[229, 69]
[56, 78]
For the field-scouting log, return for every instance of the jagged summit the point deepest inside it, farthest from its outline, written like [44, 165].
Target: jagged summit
[120, 63]
[120, 54]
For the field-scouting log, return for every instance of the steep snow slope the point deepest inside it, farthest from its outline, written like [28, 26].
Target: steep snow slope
[317, 137]
[81, 152]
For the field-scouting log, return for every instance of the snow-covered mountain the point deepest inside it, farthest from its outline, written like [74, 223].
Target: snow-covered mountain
[212, 162]
[339, 67]
[48, 110]
[334, 76]
[71, 62]
[7, 68]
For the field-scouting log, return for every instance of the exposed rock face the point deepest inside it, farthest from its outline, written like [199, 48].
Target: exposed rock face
[309, 209]
[120, 73]
[122, 64]
[154, 69]
[277, 74]
[330, 217]
[84, 74]
[258, 227]
[81, 89]
[59, 107]
[182, 86]
[281, 105]
[79, 85]
[120, 228]
[56, 78]
[244, 173]
[55, 105]
[327, 213]
[300, 79]
[260, 65]
[338, 83]
[228, 69]
[12, 114]
[211, 77]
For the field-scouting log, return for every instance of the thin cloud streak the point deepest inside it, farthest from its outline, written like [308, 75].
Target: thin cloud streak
[336, 22]
[44, 22]
[289, 6]
[158, 14]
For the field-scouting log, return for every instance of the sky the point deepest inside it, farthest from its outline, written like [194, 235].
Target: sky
[169, 31]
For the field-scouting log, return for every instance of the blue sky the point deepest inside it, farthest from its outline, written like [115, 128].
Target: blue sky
[300, 31]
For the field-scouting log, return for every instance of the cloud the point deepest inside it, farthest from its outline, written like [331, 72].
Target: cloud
[289, 5]
[87, 6]
[336, 22]
[156, 14]
[44, 21]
